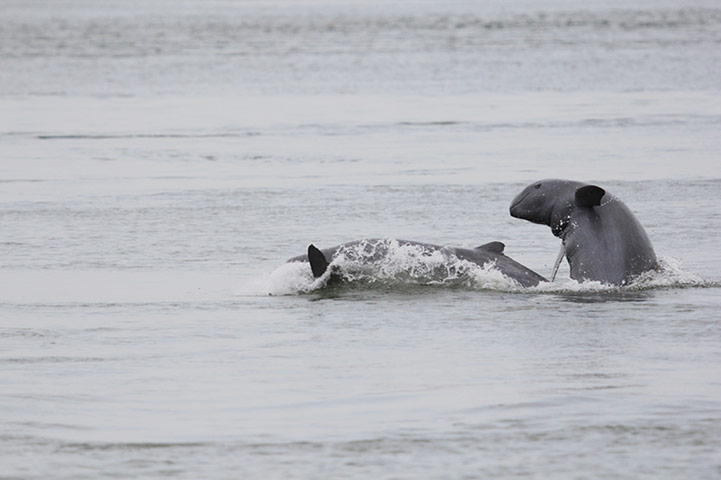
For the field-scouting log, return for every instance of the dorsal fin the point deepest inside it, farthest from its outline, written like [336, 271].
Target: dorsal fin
[496, 247]
[589, 196]
[318, 262]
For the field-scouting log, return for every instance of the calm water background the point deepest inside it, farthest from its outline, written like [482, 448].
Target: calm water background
[160, 160]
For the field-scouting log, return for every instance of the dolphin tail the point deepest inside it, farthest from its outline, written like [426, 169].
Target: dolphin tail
[318, 262]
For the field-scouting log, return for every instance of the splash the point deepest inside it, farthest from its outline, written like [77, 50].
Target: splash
[389, 264]
[288, 279]
[669, 274]
[386, 264]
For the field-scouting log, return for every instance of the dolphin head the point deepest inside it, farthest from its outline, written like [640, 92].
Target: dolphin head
[548, 202]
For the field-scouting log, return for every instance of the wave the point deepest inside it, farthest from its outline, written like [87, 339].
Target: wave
[111, 136]
[335, 128]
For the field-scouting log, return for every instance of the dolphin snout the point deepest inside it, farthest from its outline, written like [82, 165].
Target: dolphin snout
[515, 203]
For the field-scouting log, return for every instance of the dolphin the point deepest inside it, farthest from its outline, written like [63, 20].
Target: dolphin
[374, 250]
[601, 239]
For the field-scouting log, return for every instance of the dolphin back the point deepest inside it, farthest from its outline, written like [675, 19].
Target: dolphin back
[506, 265]
[375, 250]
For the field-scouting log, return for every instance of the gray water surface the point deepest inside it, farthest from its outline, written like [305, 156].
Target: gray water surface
[159, 162]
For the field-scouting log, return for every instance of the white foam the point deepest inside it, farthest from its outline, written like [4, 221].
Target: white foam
[670, 273]
[287, 279]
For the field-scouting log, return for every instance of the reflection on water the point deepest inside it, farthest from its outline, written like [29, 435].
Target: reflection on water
[615, 295]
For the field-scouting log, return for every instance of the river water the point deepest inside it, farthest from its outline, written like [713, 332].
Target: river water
[159, 162]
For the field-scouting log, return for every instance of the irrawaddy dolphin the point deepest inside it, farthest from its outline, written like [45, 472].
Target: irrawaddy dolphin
[374, 250]
[602, 240]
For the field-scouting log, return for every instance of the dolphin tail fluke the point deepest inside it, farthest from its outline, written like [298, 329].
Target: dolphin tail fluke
[318, 262]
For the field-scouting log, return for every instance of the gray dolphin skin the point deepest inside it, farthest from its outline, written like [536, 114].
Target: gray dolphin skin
[603, 240]
[373, 250]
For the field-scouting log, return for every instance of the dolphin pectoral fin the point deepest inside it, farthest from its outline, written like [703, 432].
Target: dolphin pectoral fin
[318, 262]
[589, 196]
[495, 247]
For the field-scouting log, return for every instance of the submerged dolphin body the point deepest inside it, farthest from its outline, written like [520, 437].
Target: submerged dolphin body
[375, 250]
[602, 240]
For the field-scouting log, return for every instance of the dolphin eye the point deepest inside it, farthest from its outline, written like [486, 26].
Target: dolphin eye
[537, 186]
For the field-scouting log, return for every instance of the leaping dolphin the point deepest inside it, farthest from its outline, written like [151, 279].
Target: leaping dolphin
[601, 239]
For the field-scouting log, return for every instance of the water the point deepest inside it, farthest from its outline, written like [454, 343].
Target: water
[160, 161]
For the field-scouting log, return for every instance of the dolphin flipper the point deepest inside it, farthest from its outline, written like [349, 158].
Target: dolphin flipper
[318, 262]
